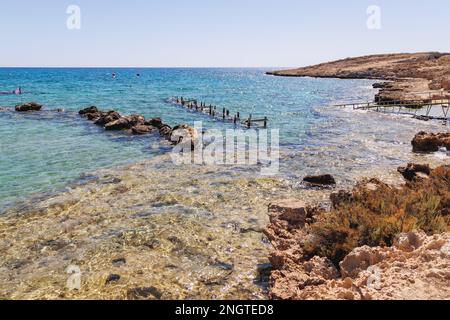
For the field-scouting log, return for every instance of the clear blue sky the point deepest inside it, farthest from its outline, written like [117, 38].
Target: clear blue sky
[228, 33]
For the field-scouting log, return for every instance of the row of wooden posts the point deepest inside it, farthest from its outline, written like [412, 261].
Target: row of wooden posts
[213, 112]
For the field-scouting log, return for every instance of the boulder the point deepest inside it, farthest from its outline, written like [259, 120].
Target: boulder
[320, 180]
[93, 116]
[430, 142]
[125, 123]
[165, 131]
[184, 131]
[119, 124]
[142, 129]
[30, 106]
[107, 117]
[88, 110]
[415, 171]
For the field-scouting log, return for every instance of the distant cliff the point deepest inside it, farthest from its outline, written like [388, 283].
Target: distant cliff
[413, 75]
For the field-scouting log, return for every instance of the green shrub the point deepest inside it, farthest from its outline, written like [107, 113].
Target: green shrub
[376, 217]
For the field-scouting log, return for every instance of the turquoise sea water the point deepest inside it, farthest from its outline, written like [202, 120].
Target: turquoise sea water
[41, 152]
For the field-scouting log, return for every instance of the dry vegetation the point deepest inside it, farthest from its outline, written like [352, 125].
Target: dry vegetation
[375, 215]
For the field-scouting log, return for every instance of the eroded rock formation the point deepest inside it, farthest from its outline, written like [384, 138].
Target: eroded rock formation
[412, 76]
[430, 142]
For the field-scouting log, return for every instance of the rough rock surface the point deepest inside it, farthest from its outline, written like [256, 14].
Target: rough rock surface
[30, 106]
[106, 117]
[183, 131]
[415, 171]
[430, 142]
[412, 74]
[417, 266]
[142, 129]
[92, 109]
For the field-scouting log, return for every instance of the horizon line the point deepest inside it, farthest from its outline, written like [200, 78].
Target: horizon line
[144, 67]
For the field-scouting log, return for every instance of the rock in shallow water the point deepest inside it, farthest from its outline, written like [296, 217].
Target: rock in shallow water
[105, 118]
[112, 278]
[415, 171]
[125, 123]
[144, 293]
[30, 106]
[142, 129]
[88, 110]
[320, 180]
[430, 142]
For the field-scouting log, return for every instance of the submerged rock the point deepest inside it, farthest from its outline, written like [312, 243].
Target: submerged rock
[320, 180]
[30, 106]
[112, 278]
[125, 123]
[144, 293]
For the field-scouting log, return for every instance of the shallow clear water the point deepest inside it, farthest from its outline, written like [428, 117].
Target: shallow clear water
[41, 152]
[192, 232]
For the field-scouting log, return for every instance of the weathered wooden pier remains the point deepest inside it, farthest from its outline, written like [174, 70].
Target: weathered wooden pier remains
[411, 107]
[220, 114]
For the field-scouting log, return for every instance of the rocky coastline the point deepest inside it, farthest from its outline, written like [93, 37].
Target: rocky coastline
[376, 242]
[405, 76]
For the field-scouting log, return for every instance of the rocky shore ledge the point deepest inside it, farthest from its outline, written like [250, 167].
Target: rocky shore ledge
[376, 242]
[415, 76]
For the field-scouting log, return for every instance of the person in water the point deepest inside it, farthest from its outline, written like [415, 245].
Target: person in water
[17, 91]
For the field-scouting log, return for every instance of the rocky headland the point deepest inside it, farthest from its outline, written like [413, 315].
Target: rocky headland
[408, 76]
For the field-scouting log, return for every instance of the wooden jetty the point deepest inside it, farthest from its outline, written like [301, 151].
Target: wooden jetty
[219, 114]
[406, 107]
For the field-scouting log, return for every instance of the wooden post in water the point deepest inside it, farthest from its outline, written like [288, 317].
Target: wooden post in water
[265, 122]
[223, 113]
[249, 122]
[235, 119]
[238, 115]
